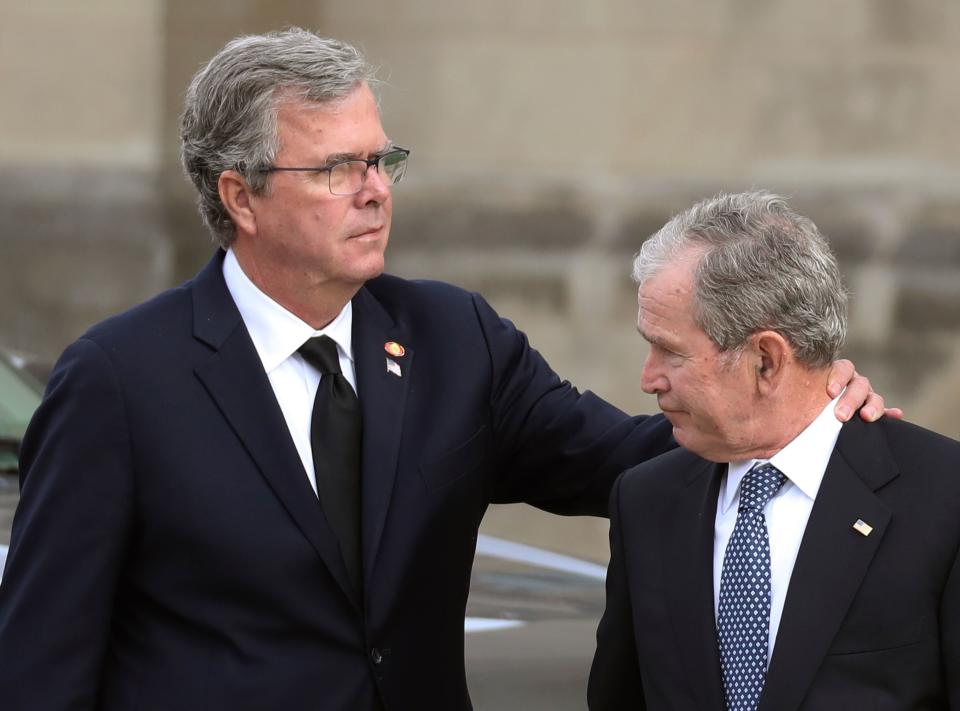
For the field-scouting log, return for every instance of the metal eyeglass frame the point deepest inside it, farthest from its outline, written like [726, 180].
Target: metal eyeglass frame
[371, 162]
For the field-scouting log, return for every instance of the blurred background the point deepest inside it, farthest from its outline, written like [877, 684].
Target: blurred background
[549, 139]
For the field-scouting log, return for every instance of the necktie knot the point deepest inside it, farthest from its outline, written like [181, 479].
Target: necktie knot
[759, 485]
[321, 353]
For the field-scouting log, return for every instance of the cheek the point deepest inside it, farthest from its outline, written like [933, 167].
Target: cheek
[730, 411]
[711, 406]
[326, 217]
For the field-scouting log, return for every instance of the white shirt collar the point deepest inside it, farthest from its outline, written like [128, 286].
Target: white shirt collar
[277, 333]
[804, 460]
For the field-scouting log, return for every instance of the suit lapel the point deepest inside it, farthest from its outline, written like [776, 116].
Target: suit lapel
[831, 563]
[688, 571]
[235, 379]
[382, 394]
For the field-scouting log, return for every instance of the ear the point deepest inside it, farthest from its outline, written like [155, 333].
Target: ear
[235, 196]
[772, 355]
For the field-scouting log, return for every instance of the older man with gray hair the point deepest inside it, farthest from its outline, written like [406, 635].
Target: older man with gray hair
[779, 560]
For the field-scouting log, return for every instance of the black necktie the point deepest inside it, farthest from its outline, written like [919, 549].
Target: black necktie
[335, 440]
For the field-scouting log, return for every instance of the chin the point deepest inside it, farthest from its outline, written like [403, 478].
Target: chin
[693, 444]
[369, 269]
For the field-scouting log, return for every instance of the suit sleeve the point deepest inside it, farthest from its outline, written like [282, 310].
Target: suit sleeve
[558, 449]
[70, 536]
[615, 682]
[950, 635]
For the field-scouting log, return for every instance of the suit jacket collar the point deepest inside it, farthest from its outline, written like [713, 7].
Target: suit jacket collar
[383, 392]
[832, 561]
[688, 572]
[215, 316]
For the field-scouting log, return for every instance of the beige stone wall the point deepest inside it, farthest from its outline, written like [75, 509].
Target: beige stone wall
[727, 91]
[80, 83]
[80, 231]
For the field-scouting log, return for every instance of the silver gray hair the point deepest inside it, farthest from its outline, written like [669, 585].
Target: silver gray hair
[229, 120]
[763, 267]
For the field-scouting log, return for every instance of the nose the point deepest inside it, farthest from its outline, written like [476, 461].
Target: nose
[375, 187]
[653, 381]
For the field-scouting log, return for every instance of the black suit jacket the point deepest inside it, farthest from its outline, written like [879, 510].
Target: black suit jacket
[169, 554]
[869, 623]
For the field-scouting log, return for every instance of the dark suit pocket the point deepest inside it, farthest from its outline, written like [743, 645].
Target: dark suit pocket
[457, 463]
[866, 637]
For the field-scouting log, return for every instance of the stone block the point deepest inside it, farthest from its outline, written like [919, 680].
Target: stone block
[75, 250]
[918, 22]
[81, 82]
[929, 302]
[436, 218]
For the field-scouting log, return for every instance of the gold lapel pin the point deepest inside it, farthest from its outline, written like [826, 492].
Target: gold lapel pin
[862, 527]
[393, 367]
[395, 349]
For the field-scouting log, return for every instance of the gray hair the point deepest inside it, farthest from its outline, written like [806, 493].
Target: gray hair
[229, 120]
[763, 267]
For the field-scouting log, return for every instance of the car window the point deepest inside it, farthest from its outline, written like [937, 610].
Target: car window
[19, 397]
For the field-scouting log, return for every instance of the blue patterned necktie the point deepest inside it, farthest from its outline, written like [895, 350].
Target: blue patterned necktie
[743, 616]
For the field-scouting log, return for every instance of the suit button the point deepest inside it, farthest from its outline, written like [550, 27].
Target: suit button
[375, 656]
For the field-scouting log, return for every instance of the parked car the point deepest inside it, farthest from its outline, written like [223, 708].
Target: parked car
[20, 392]
[531, 627]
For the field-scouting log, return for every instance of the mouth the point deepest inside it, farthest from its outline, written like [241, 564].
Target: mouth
[369, 233]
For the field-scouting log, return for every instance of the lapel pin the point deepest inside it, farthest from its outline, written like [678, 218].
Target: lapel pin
[395, 349]
[393, 367]
[862, 527]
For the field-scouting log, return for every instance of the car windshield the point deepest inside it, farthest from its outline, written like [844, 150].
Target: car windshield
[19, 397]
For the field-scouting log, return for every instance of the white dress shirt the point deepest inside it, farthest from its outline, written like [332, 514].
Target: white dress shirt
[277, 334]
[803, 461]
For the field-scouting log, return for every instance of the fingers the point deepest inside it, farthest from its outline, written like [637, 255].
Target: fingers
[841, 374]
[859, 394]
[873, 408]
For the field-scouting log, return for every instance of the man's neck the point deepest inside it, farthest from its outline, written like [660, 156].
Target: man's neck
[791, 411]
[313, 301]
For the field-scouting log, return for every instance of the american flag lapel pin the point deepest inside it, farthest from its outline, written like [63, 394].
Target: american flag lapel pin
[393, 367]
[862, 527]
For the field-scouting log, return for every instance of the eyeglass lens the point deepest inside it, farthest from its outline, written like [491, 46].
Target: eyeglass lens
[347, 178]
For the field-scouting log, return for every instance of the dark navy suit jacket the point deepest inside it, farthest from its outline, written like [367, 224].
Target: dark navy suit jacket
[169, 554]
[870, 623]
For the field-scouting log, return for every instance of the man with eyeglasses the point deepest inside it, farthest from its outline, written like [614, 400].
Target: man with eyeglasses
[262, 490]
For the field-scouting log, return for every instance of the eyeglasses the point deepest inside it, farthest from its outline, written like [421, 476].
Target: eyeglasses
[346, 177]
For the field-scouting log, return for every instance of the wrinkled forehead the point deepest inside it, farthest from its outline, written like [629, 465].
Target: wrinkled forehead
[665, 300]
[348, 125]
[674, 279]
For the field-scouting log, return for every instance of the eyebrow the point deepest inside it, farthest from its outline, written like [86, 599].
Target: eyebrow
[655, 341]
[338, 157]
